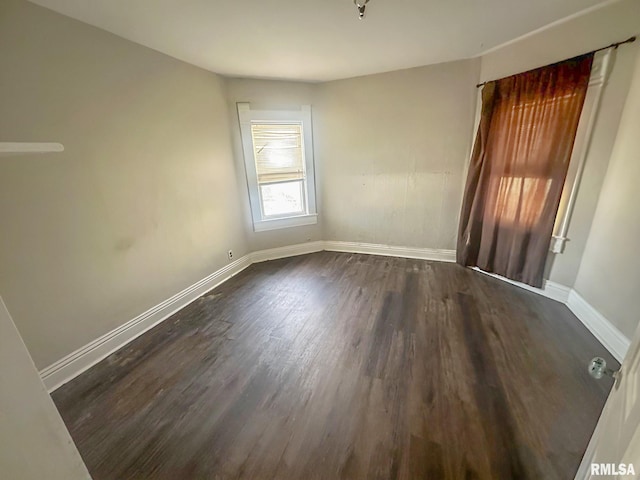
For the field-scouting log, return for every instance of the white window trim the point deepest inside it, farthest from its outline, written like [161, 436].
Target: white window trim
[285, 222]
[247, 116]
[599, 74]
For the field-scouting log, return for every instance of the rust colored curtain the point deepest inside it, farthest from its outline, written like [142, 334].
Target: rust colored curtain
[518, 167]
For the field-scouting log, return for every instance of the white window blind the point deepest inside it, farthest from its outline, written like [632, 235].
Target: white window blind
[278, 152]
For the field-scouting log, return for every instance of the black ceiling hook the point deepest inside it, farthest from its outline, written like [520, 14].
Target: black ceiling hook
[361, 7]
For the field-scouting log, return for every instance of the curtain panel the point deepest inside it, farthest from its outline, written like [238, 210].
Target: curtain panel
[518, 167]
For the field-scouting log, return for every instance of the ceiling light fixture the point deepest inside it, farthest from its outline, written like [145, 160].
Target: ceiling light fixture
[360, 5]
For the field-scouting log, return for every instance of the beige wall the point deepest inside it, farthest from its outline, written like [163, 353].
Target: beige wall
[393, 149]
[35, 443]
[602, 27]
[609, 277]
[142, 203]
[277, 95]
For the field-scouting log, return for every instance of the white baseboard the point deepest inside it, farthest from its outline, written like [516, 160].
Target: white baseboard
[85, 357]
[601, 328]
[288, 251]
[391, 251]
[552, 290]
[72, 365]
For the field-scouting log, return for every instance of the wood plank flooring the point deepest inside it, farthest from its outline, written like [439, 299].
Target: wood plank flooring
[344, 366]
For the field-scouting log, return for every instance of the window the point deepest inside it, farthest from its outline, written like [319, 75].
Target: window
[518, 167]
[599, 72]
[522, 190]
[278, 155]
[520, 200]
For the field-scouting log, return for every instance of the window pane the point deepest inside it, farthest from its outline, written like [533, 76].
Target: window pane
[521, 200]
[278, 152]
[282, 198]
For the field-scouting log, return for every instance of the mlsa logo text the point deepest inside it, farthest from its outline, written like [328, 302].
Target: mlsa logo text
[612, 469]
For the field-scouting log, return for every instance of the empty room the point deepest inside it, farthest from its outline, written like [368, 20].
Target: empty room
[345, 240]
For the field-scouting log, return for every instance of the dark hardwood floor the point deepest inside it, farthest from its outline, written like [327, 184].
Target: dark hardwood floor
[342, 366]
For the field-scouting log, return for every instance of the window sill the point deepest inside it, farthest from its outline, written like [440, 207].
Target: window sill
[277, 223]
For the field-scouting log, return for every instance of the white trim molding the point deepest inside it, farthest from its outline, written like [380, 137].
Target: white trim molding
[552, 290]
[285, 222]
[548, 26]
[288, 251]
[599, 74]
[557, 244]
[72, 365]
[439, 255]
[601, 328]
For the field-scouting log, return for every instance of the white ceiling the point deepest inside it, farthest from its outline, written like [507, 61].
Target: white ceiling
[317, 40]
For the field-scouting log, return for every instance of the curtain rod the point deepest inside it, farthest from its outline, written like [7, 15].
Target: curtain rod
[613, 45]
